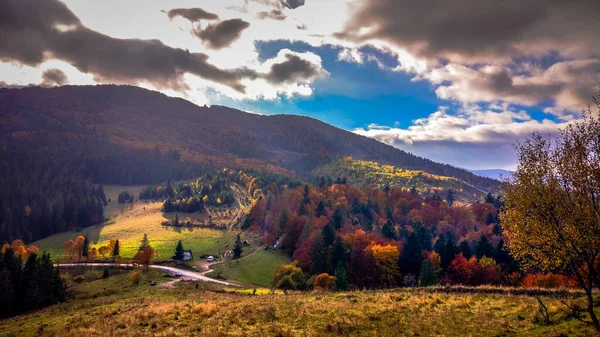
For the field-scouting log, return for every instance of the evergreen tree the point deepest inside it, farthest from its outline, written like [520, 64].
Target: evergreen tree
[497, 229]
[484, 248]
[116, 250]
[282, 220]
[306, 195]
[465, 249]
[175, 222]
[178, 252]
[320, 210]
[439, 244]
[490, 219]
[501, 254]
[448, 252]
[237, 248]
[301, 209]
[328, 235]
[450, 198]
[341, 281]
[318, 257]
[489, 199]
[85, 248]
[338, 219]
[339, 252]
[105, 272]
[411, 258]
[144, 243]
[427, 277]
[388, 230]
[425, 237]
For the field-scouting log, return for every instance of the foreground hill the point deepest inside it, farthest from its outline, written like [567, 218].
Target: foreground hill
[140, 118]
[114, 304]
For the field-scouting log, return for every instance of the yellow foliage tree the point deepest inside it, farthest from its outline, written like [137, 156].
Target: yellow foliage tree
[552, 212]
[386, 259]
[145, 257]
[324, 282]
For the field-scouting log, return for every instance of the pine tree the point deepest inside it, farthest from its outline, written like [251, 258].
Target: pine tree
[144, 243]
[489, 199]
[465, 249]
[301, 209]
[178, 252]
[427, 277]
[388, 230]
[306, 195]
[116, 250]
[320, 210]
[176, 221]
[85, 248]
[338, 219]
[490, 219]
[105, 272]
[450, 198]
[318, 257]
[328, 235]
[237, 249]
[339, 252]
[282, 220]
[484, 248]
[341, 281]
[411, 259]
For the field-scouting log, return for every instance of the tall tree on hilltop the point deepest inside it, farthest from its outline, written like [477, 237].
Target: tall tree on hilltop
[450, 198]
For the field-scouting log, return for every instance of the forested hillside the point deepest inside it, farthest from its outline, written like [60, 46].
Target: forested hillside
[141, 118]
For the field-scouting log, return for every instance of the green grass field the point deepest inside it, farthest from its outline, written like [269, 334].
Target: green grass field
[257, 269]
[115, 307]
[129, 227]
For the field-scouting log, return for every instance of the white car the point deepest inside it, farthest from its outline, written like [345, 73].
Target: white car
[210, 259]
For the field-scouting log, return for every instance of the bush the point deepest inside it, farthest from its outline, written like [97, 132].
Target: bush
[79, 278]
[105, 273]
[324, 281]
[125, 197]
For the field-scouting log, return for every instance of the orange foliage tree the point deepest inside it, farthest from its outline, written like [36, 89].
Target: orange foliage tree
[145, 257]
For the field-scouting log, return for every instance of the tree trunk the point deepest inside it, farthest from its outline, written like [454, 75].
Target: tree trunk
[591, 312]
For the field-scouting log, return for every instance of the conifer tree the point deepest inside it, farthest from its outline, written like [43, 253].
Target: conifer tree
[178, 252]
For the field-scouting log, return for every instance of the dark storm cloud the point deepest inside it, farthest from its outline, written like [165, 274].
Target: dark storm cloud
[222, 34]
[192, 14]
[467, 29]
[52, 77]
[292, 69]
[33, 31]
[275, 14]
[292, 4]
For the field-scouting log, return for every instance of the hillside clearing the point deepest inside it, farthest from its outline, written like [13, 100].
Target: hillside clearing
[257, 268]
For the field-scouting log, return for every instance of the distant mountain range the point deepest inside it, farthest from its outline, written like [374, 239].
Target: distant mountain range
[494, 173]
[137, 118]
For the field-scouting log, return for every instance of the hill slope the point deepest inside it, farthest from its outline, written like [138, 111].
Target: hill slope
[145, 119]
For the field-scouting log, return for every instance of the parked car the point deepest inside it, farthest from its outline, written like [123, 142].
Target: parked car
[153, 283]
[177, 275]
[210, 259]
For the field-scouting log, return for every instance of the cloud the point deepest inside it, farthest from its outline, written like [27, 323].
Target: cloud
[293, 68]
[192, 14]
[570, 84]
[56, 33]
[293, 4]
[54, 77]
[473, 138]
[473, 30]
[275, 14]
[222, 34]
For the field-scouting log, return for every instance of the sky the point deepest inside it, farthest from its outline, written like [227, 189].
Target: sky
[458, 82]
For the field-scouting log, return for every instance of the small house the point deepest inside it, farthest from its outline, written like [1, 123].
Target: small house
[187, 255]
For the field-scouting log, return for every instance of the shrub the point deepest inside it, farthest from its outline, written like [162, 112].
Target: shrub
[324, 281]
[79, 278]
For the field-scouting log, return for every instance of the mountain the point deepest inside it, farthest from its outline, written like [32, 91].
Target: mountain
[493, 173]
[137, 118]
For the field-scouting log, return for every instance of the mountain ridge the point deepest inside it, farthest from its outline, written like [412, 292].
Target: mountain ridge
[143, 118]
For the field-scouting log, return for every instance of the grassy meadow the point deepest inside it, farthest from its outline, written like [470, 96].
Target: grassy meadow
[129, 222]
[256, 268]
[117, 307]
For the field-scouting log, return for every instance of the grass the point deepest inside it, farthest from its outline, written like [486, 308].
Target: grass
[129, 227]
[257, 269]
[208, 311]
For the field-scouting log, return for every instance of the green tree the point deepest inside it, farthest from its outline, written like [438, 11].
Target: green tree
[282, 220]
[320, 210]
[465, 249]
[552, 213]
[427, 277]
[450, 197]
[328, 235]
[388, 230]
[341, 280]
[144, 243]
[489, 199]
[178, 252]
[85, 248]
[116, 250]
[105, 272]
[484, 248]
[338, 219]
[237, 248]
[411, 258]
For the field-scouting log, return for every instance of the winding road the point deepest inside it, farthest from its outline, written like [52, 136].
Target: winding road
[185, 274]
